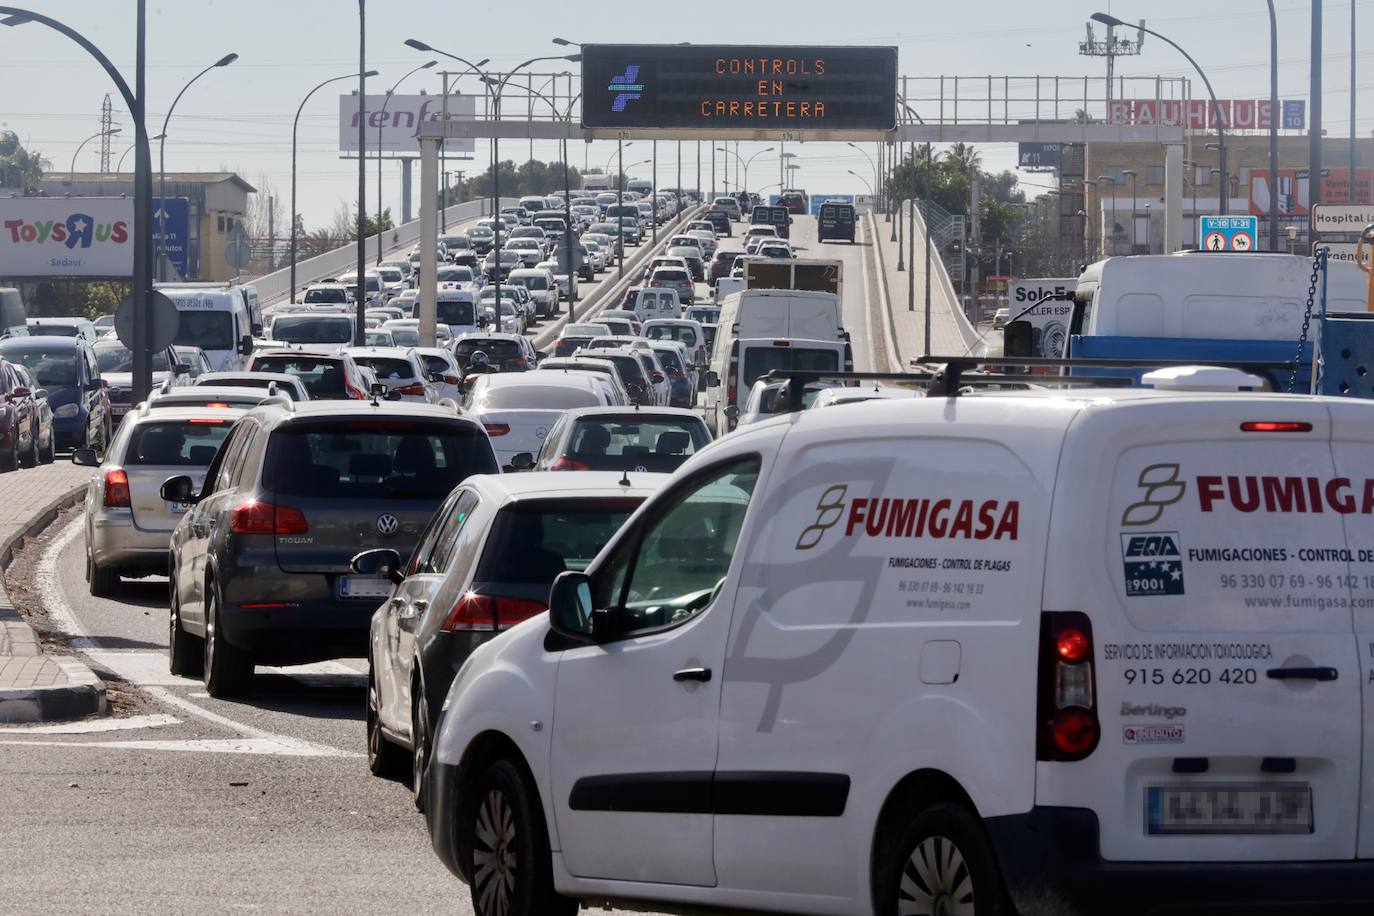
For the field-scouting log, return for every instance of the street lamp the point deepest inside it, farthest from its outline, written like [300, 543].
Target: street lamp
[386, 103]
[71, 176]
[1100, 179]
[294, 126]
[1134, 240]
[873, 165]
[867, 183]
[443, 156]
[1107, 19]
[564, 43]
[224, 61]
[607, 169]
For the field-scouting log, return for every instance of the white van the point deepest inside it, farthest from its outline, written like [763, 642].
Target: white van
[1076, 652]
[457, 308]
[214, 317]
[655, 302]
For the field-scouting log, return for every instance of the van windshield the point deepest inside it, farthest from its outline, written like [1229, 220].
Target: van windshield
[455, 313]
[313, 329]
[759, 361]
[327, 295]
[207, 330]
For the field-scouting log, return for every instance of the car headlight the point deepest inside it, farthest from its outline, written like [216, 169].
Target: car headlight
[67, 411]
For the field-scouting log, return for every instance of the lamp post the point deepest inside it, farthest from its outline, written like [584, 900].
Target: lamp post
[867, 183]
[143, 175]
[1107, 19]
[871, 163]
[294, 126]
[1134, 241]
[119, 166]
[71, 174]
[386, 103]
[744, 164]
[783, 166]
[1088, 247]
[611, 158]
[1113, 234]
[224, 61]
[1274, 124]
[475, 68]
[360, 312]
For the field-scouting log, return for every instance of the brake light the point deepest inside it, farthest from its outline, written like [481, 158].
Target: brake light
[497, 429]
[256, 517]
[213, 404]
[1066, 703]
[569, 464]
[117, 489]
[452, 380]
[1275, 426]
[519, 361]
[484, 612]
[208, 421]
[782, 343]
[416, 389]
[353, 392]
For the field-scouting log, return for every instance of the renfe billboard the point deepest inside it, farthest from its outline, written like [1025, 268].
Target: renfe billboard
[739, 86]
[67, 237]
[400, 122]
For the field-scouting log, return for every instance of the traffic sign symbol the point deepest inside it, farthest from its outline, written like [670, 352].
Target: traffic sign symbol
[1229, 233]
[1216, 241]
[1240, 242]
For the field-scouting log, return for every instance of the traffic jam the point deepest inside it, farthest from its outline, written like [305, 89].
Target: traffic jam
[635, 581]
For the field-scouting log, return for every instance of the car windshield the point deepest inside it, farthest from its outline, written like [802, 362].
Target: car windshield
[454, 312]
[252, 381]
[534, 540]
[38, 329]
[493, 348]
[50, 368]
[207, 330]
[391, 274]
[530, 282]
[322, 377]
[176, 443]
[374, 458]
[405, 337]
[630, 442]
[670, 276]
[683, 333]
[629, 367]
[312, 329]
[112, 356]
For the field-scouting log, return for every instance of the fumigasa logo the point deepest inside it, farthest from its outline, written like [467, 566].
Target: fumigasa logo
[626, 87]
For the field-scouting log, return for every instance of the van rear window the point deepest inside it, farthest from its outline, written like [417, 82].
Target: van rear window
[322, 377]
[207, 330]
[183, 443]
[759, 361]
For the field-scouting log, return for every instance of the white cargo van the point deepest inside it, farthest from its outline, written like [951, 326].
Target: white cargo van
[1079, 653]
[655, 302]
[216, 318]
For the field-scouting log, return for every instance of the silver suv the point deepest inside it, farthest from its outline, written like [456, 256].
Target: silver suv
[260, 562]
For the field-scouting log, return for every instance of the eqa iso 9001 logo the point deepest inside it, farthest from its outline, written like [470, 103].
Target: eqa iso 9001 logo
[1153, 563]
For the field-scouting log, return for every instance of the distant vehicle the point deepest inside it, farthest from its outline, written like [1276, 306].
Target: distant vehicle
[115, 363]
[542, 287]
[272, 383]
[656, 440]
[194, 357]
[67, 368]
[720, 221]
[685, 331]
[13, 321]
[836, 222]
[1000, 318]
[313, 329]
[327, 375]
[676, 279]
[501, 352]
[215, 318]
[19, 420]
[45, 432]
[779, 217]
[64, 327]
[400, 369]
[327, 294]
[650, 303]
[730, 206]
[794, 201]
[517, 410]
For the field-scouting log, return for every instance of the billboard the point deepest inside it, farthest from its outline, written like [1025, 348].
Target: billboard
[400, 122]
[1049, 320]
[1197, 114]
[715, 87]
[1039, 157]
[67, 237]
[174, 213]
[1294, 190]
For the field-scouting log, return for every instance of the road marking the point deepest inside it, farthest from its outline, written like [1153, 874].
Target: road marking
[277, 747]
[149, 669]
[61, 612]
[90, 726]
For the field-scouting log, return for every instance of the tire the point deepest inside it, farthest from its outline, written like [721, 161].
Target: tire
[31, 459]
[420, 741]
[185, 653]
[508, 847]
[11, 460]
[227, 670]
[941, 862]
[384, 759]
[47, 455]
[104, 582]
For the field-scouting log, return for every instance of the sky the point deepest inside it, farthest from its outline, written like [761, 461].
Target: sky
[239, 118]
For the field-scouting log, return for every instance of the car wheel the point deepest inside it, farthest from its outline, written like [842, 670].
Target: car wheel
[11, 460]
[941, 862]
[31, 459]
[227, 669]
[384, 759]
[510, 866]
[185, 653]
[104, 582]
[420, 739]
[47, 455]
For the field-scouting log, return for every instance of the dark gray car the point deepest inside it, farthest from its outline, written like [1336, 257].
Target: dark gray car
[260, 561]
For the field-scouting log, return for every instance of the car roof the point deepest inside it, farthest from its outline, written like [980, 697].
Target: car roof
[76, 322]
[684, 413]
[165, 414]
[506, 488]
[207, 377]
[480, 335]
[41, 340]
[309, 410]
[393, 352]
[570, 378]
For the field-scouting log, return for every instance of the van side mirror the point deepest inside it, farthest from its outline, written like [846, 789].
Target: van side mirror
[1018, 339]
[570, 605]
[246, 343]
[178, 489]
[86, 458]
[382, 561]
[732, 413]
[712, 379]
[522, 461]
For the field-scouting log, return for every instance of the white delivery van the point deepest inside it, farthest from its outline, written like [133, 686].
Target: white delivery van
[457, 308]
[656, 302]
[214, 317]
[1080, 653]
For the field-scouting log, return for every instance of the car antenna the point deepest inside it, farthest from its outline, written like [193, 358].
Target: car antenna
[625, 478]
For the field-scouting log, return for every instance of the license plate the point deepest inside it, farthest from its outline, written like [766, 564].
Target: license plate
[1228, 809]
[361, 587]
[118, 410]
[178, 508]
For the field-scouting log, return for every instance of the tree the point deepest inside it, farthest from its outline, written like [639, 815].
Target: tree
[371, 225]
[19, 167]
[265, 211]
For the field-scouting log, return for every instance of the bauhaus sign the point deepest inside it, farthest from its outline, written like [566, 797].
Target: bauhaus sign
[1198, 114]
[739, 86]
[397, 120]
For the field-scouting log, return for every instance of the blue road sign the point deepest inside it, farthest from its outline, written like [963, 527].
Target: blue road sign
[1228, 233]
[177, 221]
[816, 200]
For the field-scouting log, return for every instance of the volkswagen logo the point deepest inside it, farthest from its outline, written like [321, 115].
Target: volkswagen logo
[641, 469]
[388, 524]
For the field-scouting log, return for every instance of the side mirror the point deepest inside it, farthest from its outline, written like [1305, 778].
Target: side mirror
[95, 384]
[246, 343]
[86, 458]
[382, 561]
[177, 489]
[41, 394]
[378, 391]
[657, 377]
[1018, 339]
[256, 331]
[570, 605]
[523, 461]
[182, 368]
[712, 379]
[436, 378]
[732, 413]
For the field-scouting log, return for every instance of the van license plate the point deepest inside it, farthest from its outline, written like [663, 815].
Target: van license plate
[1228, 809]
[361, 587]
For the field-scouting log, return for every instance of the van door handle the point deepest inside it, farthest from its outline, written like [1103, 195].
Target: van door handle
[692, 674]
[1302, 674]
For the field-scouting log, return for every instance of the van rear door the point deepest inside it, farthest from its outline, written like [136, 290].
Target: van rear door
[1352, 446]
[1227, 683]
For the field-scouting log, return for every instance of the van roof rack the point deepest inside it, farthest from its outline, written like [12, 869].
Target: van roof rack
[935, 382]
[948, 379]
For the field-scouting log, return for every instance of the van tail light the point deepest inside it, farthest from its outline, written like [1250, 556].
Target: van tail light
[452, 380]
[1066, 704]
[497, 429]
[569, 464]
[518, 362]
[1275, 426]
[416, 389]
[117, 489]
[256, 517]
[484, 612]
[353, 392]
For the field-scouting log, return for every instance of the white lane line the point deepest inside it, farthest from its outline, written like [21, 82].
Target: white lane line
[57, 607]
[149, 669]
[91, 726]
[270, 746]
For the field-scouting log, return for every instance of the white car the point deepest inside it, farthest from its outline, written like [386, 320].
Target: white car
[273, 383]
[993, 649]
[445, 375]
[543, 290]
[511, 320]
[317, 330]
[518, 408]
[401, 369]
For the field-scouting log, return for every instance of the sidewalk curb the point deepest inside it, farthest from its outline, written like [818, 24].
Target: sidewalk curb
[84, 693]
[880, 263]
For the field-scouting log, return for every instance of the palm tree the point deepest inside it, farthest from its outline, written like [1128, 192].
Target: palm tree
[19, 168]
[964, 156]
